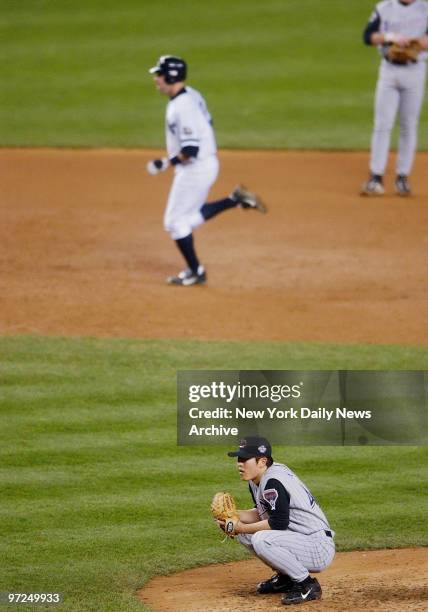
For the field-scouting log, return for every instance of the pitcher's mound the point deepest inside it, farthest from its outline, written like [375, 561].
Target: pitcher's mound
[363, 580]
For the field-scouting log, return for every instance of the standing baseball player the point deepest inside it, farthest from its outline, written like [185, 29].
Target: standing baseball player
[286, 528]
[399, 28]
[192, 151]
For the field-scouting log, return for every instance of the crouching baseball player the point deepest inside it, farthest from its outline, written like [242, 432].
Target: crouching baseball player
[286, 528]
[192, 152]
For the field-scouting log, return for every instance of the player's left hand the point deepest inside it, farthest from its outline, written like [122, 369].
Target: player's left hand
[236, 527]
[157, 165]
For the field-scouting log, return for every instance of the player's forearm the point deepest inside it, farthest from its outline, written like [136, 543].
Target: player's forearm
[252, 527]
[379, 38]
[185, 155]
[181, 158]
[249, 516]
[423, 41]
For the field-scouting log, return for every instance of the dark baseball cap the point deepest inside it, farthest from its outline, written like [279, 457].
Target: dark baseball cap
[252, 446]
[173, 68]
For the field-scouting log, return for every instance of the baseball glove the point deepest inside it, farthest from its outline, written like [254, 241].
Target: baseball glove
[223, 508]
[402, 55]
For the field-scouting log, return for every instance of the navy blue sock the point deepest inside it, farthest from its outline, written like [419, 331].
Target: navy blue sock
[186, 248]
[211, 209]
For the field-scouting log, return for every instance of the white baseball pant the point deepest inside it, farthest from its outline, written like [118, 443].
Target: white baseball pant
[189, 191]
[291, 553]
[399, 89]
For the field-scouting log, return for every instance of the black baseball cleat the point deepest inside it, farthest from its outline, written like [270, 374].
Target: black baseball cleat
[307, 590]
[402, 187]
[279, 583]
[246, 199]
[373, 187]
[187, 277]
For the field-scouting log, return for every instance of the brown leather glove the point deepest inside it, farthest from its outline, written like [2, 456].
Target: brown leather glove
[223, 508]
[403, 55]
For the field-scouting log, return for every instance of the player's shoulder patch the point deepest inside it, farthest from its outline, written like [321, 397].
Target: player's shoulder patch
[271, 496]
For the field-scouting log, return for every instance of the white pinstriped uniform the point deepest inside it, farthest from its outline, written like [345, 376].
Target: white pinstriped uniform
[188, 123]
[304, 546]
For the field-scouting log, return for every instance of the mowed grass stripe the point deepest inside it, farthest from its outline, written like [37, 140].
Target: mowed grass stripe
[151, 360]
[76, 73]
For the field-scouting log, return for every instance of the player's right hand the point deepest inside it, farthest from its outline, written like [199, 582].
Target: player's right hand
[157, 165]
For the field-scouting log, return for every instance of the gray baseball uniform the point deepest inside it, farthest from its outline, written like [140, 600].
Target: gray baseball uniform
[400, 87]
[300, 539]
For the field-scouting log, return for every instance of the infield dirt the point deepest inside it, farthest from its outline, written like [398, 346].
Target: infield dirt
[363, 580]
[83, 251]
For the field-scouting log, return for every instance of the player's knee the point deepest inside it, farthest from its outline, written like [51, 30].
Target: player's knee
[408, 127]
[258, 542]
[177, 230]
[246, 540]
[384, 127]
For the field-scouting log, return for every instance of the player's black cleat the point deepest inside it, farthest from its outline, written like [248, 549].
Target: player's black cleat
[246, 199]
[373, 187]
[402, 186]
[307, 590]
[279, 583]
[187, 277]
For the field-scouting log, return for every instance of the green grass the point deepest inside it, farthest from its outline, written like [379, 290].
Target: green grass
[96, 497]
[275, 73]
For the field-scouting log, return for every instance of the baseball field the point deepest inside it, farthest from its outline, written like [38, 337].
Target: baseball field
[97, 501]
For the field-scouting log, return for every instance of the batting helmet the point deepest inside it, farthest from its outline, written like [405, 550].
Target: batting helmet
[174, 69]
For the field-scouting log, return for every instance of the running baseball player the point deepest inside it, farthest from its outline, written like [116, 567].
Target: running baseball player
[399, 28]
[286, 528]
[192, 152]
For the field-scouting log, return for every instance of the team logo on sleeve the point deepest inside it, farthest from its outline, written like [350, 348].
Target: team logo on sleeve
[270, 495]
[187, 130]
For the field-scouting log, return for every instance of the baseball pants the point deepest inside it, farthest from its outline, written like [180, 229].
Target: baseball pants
[400, 89]
[189, 191]
[291, 553]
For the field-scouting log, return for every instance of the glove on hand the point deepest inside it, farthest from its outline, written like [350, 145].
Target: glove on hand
[223, 508]
[402, 55]
[157, 165]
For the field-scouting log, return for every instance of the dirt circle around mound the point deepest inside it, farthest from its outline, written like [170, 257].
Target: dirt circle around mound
[386, 580]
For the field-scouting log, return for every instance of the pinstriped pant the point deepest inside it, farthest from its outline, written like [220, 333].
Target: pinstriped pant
[290, 552]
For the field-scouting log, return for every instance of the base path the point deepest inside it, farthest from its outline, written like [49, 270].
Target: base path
[387, 580]
[83, 252]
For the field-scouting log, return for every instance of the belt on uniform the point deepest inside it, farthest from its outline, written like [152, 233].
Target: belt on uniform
[328, 534]
[400, 63]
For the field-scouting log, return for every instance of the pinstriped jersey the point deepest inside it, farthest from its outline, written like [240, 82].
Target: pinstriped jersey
[305, 516]
[189, 124]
